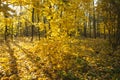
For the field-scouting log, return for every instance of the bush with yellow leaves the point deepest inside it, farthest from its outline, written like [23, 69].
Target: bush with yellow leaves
[74, 59]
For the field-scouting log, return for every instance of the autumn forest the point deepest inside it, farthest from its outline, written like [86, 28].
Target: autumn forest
[59, 39]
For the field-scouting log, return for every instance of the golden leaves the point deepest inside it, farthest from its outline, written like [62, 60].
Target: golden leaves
[41, 25]
[20, 2]
[4, 59]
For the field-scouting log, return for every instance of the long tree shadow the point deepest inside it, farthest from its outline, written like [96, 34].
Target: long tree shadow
[12, 63]
[30, 56]
[36, 61]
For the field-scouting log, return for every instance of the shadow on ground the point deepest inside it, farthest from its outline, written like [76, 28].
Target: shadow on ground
[13, 73]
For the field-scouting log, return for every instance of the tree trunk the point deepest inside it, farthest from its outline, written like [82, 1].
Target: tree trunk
[6, 29]
[12, 34]
[6, 32]
[38, 33]
[85, 30]
[32, 27]
[94, 21]
[97, 26]
[104, 32]
[118, 31]
[32, 33]
[89, 24]
[38, 27]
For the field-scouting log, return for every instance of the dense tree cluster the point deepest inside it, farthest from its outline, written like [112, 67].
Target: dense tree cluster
[89, 18]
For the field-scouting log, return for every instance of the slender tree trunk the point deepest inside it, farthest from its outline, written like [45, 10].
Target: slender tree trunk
[32, 27]
[89, 24]
[38, 33]
[90, 30]
[6, 28]
[85, 29]
[32, 33]
[97, 26]
[109, 36]
[94, 20]
[38, 27]
[12, 34]
[45, 30]
[26, 30]
[104, 32]
[118, 30]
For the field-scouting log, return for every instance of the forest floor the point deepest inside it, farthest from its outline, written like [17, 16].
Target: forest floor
[70, 59]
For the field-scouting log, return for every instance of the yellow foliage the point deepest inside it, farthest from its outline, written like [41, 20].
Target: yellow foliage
[41, 25]
[4, 59]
